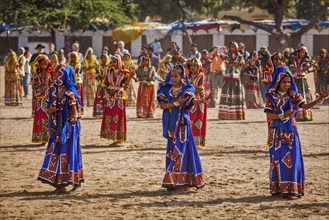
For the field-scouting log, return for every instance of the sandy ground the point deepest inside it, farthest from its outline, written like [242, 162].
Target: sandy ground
[125, 182]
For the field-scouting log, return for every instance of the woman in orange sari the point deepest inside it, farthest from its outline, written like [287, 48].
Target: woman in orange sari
[13, 87]
[145, 74]
[89, 66]
[42, 81]
[114, 123]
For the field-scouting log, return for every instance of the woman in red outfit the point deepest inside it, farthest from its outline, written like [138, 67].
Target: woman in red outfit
[198, 113]
[114, 123]
[42, 82]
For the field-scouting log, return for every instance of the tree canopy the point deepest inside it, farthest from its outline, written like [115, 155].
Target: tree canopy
[61, 14]
[90, 14]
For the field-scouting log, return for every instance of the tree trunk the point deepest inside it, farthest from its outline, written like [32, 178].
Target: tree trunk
[187, 34]
[8, 40]
[183, 20]
[53, 36]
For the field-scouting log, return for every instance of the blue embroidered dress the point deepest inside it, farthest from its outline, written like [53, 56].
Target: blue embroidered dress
[183, 164]
[62, 164]
[286, 161]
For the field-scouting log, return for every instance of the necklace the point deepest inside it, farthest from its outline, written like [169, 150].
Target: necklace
[282, 93]
[176, 89]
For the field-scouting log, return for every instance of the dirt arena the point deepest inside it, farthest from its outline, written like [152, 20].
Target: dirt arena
[125, 182]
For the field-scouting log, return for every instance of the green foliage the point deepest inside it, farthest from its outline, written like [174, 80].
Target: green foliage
[169, 10]
[61, 14]
[307, 9]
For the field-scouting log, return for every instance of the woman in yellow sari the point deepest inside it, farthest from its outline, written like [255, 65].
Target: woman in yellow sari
[89, 66]
[128, 64]
[13, 87]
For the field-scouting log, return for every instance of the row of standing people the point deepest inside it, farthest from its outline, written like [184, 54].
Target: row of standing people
[176, 96]
[257, 74]
[62, 164]
[171, 97]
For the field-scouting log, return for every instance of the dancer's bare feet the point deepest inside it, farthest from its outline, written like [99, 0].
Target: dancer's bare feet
[59, 189]
[179, 189]
[76, 188]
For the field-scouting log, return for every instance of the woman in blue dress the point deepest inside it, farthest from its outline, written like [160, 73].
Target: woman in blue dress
[287, 174]
[183, 164]
[62, 164]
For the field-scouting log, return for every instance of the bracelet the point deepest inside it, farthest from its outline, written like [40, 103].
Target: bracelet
[176, 104]
[167, 105]
[281, 116]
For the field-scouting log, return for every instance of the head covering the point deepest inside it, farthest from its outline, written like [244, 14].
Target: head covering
[10, 60]
[107, 62]
[39, 46]
[145, 58]
[68, 80]
[280, 56]
[22, 49]
[54, 57]
[89, 49]
[40, 60]
[286, 50]
[300, 48]
[77, 61]
[126, 52]
[279, 73]
[253, 54]
[194, 61]
[120, 63]
[165, 58]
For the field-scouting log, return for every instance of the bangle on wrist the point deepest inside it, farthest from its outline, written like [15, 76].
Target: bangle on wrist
[176, 104]
[281, 116]
[167, 105]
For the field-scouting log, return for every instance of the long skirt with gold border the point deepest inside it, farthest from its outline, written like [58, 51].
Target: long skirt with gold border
[183, 164]
[40, 122]
[145, 101]
[231, 105]
[13, 91]
[287, 173]
[99, 102]
[253, 96]
[62, 164]
[114, 122]
[198, 117]
[89, 89]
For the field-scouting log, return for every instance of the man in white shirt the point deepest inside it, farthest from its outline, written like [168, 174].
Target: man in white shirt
[121, 49]
[27, 71]
[157, 49]
[194, 52]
